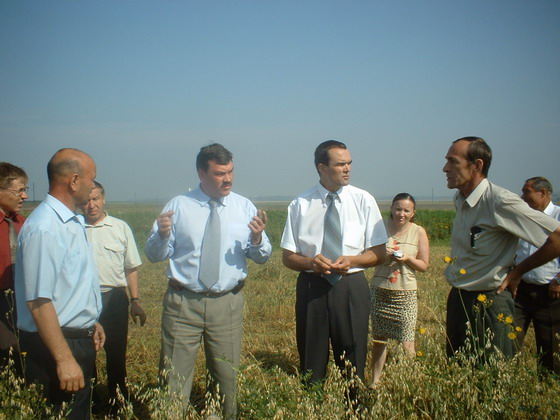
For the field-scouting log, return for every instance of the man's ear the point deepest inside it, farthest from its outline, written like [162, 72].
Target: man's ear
[74, 179]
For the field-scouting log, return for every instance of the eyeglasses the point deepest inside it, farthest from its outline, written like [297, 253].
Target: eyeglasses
[17, 193]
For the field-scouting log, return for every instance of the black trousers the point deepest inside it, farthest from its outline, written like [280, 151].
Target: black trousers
[532, 303]
[338, 313]
[9, 319]
[40, 367]
[114, 319]
[488, 312]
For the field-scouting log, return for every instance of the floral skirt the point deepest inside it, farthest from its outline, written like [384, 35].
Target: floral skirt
[394, 313]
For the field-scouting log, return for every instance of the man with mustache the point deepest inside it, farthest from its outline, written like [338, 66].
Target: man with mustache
[206, 234]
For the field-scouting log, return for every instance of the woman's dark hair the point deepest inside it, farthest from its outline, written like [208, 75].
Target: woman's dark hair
[403, 196]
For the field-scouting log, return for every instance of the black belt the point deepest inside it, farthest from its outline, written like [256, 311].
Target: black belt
[78, 332]
[175, 284]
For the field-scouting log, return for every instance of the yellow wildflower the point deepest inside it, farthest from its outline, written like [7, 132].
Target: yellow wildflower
[512, 335]
[481, 298]
[509, 319]
[518, 329]
[422, 330]
[419, 353]
[500, 317]
[462, 271]
[447, 259]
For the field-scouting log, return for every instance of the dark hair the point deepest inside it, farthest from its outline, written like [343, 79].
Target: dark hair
[71, 164]
[540, 183]
[403, 196]
[9, 172]
[215, 152]
[322, 151]
[478, 149]
[99, 187]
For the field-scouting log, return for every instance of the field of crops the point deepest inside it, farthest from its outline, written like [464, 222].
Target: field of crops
[427, 386]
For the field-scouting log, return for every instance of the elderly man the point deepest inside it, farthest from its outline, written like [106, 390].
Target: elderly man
[57, 288]
[206, 234]
[538, 295]
[13, 192]
[333, 232]
[117, 261]
[488, 223]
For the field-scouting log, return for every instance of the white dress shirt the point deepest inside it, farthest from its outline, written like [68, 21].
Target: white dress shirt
[360, 220]
[545, 273]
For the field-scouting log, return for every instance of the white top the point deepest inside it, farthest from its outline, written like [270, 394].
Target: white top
[545, 273]
[114, 250]
[360, 220]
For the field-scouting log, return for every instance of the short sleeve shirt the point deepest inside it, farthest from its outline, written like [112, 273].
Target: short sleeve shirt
[486, 232]
[114, 250]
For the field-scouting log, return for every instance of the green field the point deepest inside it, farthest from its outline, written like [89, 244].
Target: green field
[428, 386]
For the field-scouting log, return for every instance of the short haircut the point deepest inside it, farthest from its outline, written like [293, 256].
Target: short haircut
[215, 152]
[322, 151]
[9, 173]
[478, 149]
[404, 196]
[99, 187]
[540, 183]
[71, 164]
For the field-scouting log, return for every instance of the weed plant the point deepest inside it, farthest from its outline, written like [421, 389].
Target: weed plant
[428, 386]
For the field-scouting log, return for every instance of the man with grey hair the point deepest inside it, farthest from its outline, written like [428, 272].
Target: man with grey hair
[538, 295]
[57, 288]
[13, 192]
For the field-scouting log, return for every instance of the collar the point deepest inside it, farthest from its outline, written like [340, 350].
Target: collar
[203, 199]
[474, 196]
[106, 221]
[62, 211]
[323, 192]
[548, 210]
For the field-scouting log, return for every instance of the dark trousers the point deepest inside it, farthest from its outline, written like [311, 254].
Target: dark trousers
[488, 313]
[40, 367]
[532, 303]
[8, 318]
[114, 319]
[339, 313]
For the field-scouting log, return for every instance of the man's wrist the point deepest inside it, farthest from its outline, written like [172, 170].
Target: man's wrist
[133, 299]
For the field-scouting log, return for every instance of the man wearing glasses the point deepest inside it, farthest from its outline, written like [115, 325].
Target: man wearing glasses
[13, 192]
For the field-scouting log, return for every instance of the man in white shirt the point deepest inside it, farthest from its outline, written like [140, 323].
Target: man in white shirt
[332, 294]
[538, 295]
[117, 259]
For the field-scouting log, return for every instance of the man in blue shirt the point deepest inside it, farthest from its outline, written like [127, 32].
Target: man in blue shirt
[57, 289]
[200, 304]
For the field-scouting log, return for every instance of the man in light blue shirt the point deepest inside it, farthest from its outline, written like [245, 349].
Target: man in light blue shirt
[57, 289]
[195, 307]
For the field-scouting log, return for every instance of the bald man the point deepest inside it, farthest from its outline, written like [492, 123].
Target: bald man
[57, 288]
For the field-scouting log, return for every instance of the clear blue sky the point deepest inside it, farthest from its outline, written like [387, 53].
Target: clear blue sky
[142, 85]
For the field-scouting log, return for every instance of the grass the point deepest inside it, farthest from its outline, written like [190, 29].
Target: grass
[428, 386]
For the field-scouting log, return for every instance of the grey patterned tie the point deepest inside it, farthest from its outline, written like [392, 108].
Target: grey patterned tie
[332, 237]
[211, 244]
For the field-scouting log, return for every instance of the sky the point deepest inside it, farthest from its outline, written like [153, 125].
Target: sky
[142, 85]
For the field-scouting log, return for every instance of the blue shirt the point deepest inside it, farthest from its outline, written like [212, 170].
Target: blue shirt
[55, 261]
[183, 247]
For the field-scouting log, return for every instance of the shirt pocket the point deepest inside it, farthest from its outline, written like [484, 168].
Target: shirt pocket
[115, 253]
[353, 237]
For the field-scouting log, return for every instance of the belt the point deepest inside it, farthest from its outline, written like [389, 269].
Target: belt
[77, 332]
[68, 332]
[175, 284]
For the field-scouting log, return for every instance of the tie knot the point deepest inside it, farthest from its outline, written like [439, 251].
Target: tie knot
[331, 197]
[213, 203]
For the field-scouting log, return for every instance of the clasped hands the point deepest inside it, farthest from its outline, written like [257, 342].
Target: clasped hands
[323, 265]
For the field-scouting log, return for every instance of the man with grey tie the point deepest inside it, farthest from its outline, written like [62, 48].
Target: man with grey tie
[206, 234]
[333, 232]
